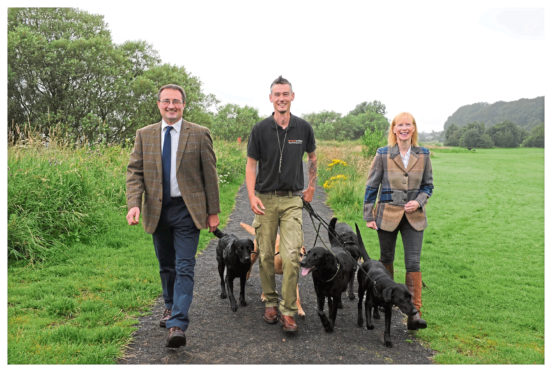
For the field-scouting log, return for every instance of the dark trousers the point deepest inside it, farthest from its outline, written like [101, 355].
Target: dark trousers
[412, 243]
[175, 241]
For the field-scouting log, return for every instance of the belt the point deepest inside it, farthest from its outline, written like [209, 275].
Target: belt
[283, 193]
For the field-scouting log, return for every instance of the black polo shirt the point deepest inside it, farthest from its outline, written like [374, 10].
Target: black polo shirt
[295, 140]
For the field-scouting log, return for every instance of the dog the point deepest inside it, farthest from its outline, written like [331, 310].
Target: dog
[341, 234]
[381, 290]
[277, 263]
[234, 255]
[331, 273]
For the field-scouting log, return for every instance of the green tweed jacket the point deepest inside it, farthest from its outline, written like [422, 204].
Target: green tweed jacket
[196, 174]
[397, 186]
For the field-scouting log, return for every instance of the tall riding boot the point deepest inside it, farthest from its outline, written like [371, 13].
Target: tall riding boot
[389, 268]
[414, 283]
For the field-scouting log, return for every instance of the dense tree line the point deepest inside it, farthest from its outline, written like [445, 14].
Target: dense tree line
[504, 134]
[66, 77]
[330, 125]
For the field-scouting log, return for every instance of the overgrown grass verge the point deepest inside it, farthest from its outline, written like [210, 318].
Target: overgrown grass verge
[483, 253]
[79, 303]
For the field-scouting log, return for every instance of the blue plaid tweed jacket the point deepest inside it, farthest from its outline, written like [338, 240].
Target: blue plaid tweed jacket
[397, 185]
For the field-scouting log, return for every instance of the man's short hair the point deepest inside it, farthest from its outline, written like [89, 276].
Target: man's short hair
[172, 86]
[281, 80]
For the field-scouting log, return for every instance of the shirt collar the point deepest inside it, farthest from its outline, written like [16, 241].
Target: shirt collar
[176, 126]
[291, 120]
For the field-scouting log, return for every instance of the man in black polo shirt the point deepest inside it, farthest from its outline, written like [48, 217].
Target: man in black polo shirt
[274, 179]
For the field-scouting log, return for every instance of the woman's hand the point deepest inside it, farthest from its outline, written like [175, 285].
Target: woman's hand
[411, 206]
[372, 225]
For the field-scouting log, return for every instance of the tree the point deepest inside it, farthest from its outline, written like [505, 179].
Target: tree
[507, 134]
[64, 72]
[452, 135]
[535, 137]
[232, 122]
[323, 123]
[374, 106]
[62, 67]
[474, 136]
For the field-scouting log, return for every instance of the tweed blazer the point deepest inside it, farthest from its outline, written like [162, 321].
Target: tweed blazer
[195, 172]
[397, 185]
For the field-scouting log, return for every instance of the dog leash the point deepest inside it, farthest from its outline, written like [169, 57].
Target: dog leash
[313, 215]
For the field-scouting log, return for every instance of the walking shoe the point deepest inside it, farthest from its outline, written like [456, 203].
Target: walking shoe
[271, 314]
[176, 337]
[166, 316]
[288, 323]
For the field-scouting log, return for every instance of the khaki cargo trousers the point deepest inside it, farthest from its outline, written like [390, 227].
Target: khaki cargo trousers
[285, 213]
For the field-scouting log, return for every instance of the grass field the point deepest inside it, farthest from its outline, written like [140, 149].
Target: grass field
[483, 253]
[77, 299]
[482, 260]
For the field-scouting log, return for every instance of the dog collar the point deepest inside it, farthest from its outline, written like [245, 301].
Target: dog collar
[333, 277]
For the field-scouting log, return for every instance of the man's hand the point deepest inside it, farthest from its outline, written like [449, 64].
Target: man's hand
[133, 216]
[308, 194]
[213, 222]
[256, 205]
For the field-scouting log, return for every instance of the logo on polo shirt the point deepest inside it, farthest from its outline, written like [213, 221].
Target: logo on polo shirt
[295, 142]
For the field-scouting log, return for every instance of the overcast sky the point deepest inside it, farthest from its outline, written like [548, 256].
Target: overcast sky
[426, 57]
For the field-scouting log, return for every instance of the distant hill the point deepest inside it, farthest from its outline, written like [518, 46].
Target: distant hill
[527, 113]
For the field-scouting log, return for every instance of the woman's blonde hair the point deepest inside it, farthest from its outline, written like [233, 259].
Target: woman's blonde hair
[392, 138]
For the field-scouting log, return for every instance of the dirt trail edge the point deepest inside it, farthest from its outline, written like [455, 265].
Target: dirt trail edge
[219, 336]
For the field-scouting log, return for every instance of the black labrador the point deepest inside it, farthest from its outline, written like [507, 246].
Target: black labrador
[341, 234]
[235, 255]
[331, 273]
[381, 290]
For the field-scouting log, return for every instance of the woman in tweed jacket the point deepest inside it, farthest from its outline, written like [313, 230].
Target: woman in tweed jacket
[401, 174]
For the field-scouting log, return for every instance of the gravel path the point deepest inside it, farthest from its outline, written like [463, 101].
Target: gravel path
[219, 336]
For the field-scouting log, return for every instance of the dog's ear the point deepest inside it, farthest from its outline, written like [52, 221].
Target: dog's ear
[388, 294]
[251, 246]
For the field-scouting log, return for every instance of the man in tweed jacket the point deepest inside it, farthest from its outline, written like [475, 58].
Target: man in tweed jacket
[174, 214]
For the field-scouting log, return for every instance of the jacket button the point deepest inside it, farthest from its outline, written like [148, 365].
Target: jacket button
[406, 174]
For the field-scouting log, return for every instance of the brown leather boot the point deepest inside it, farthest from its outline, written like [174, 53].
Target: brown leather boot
[414, 283]
[166, 316]
[288, 323]
[176, 338]
[271, 314]
[389, 268]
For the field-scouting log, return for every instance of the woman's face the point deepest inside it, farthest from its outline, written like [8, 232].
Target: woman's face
[404, 129]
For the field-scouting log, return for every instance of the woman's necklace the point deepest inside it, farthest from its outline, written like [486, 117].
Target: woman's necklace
[281, 147]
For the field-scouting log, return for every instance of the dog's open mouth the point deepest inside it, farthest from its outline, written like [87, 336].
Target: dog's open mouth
[306, 270]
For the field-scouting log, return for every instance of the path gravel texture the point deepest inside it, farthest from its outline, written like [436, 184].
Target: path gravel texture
[219, 336]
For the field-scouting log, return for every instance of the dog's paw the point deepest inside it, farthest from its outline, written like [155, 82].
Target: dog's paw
[369, 326]
[360, 322]
[223, 295]
[388, 343]
[243, 303]
[234, 307]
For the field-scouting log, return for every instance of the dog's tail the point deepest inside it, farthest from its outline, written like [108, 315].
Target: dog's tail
[250, 229]
[332, 235]
[219, 234]
[363, 252]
